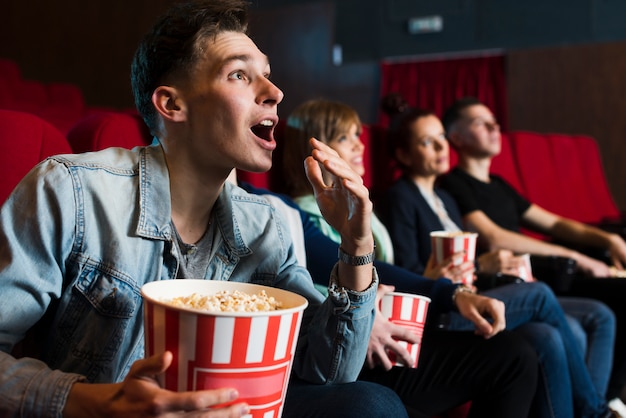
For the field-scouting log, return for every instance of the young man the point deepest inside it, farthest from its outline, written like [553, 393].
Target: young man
[496, 211]
[82, 233]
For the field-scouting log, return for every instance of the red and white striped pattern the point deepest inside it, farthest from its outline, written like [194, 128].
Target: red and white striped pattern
[253, 354]
[409, 311]
[444, 244]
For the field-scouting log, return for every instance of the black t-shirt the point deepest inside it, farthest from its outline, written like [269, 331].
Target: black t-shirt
[497, 199]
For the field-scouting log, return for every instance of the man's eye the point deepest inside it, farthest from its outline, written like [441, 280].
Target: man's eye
[237, 75]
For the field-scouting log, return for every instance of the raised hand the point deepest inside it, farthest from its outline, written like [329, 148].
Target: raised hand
[341, 196]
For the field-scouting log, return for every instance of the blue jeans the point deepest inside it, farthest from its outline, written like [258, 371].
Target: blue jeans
[530, 309]
[348, 400]
[593, 323]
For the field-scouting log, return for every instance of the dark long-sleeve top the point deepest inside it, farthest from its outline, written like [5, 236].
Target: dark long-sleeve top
[410, 220]
[321, 256]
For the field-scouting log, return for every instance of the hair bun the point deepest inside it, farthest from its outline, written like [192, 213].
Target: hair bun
[393, 104]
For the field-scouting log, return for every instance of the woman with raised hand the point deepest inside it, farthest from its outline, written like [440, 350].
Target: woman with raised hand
[339, 126]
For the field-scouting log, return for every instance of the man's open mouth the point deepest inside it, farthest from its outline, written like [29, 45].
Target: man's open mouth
[264, 129]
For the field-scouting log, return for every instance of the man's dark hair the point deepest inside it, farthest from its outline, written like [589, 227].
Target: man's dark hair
[173, 46]
[455, 111]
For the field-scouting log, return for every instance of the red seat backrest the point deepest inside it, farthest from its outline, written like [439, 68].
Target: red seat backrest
[453, 157]
[533, 155]
[576, 198]
[26, 141]
[108, 129]
[9, 69]
[29, 96]
[64, 106]
[595, 179]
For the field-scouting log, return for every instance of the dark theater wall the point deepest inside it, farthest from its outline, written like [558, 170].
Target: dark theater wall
[566, 63]
[576, 90]
[89, 43]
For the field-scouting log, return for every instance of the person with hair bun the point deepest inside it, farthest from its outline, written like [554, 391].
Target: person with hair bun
[414, 206]
[532, 310]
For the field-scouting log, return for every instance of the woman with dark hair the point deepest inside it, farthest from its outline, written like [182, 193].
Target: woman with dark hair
[414, 206]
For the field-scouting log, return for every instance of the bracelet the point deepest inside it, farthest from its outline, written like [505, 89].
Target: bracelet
[462, 289]
[355, 260]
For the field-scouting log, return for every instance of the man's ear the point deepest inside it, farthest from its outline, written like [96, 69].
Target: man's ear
[169, 104]
[402, 156]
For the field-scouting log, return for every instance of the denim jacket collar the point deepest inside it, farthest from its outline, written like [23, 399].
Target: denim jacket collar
[155, 209]
[155, 204]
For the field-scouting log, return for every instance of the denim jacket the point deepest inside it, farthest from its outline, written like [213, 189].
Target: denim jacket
[82, 233]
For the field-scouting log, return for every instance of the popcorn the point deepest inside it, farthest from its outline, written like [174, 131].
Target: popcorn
[227, 301]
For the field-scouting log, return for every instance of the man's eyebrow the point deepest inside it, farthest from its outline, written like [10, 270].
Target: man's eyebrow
[242, 57]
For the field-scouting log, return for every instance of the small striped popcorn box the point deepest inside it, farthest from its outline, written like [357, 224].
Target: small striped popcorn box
[250, 351]
[410, 311]
[445, 243]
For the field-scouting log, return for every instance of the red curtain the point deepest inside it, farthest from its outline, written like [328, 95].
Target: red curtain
[434, 85]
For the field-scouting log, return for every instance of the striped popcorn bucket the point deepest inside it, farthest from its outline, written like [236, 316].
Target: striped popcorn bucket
[446, 243]
[407, 310]
[250, 351]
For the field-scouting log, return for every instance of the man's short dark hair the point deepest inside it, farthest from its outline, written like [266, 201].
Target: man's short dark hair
[455, 111]
[172, 46]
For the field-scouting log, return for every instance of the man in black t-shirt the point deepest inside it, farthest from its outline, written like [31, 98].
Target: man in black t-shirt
[491, 207]
[496, 211]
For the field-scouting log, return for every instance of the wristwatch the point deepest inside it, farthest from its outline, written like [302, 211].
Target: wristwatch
[462, 289]
[355, 260]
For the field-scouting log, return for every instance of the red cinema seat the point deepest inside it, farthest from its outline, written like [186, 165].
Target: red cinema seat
[453, 157]
[26, 141]
[6, 98]
[108, 129]
[65, 105]
[577, 198]
[10, 71]
[595, 180]
[532, 155]
[29, 96]
[381, 170]
[537, 171]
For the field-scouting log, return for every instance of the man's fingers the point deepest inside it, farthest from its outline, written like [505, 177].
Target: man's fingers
[402, 355]
[151, 366]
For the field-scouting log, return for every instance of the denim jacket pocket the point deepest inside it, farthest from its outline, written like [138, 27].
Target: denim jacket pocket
[102, 306]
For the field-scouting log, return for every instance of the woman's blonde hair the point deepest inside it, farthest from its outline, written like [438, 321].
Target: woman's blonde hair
[322, 119]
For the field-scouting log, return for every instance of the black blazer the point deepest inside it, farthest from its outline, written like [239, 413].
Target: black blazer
[409, 219]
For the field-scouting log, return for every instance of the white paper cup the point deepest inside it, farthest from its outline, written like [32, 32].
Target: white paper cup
[445, 243]
[250, 351]
[407, 310]
[525, 271]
